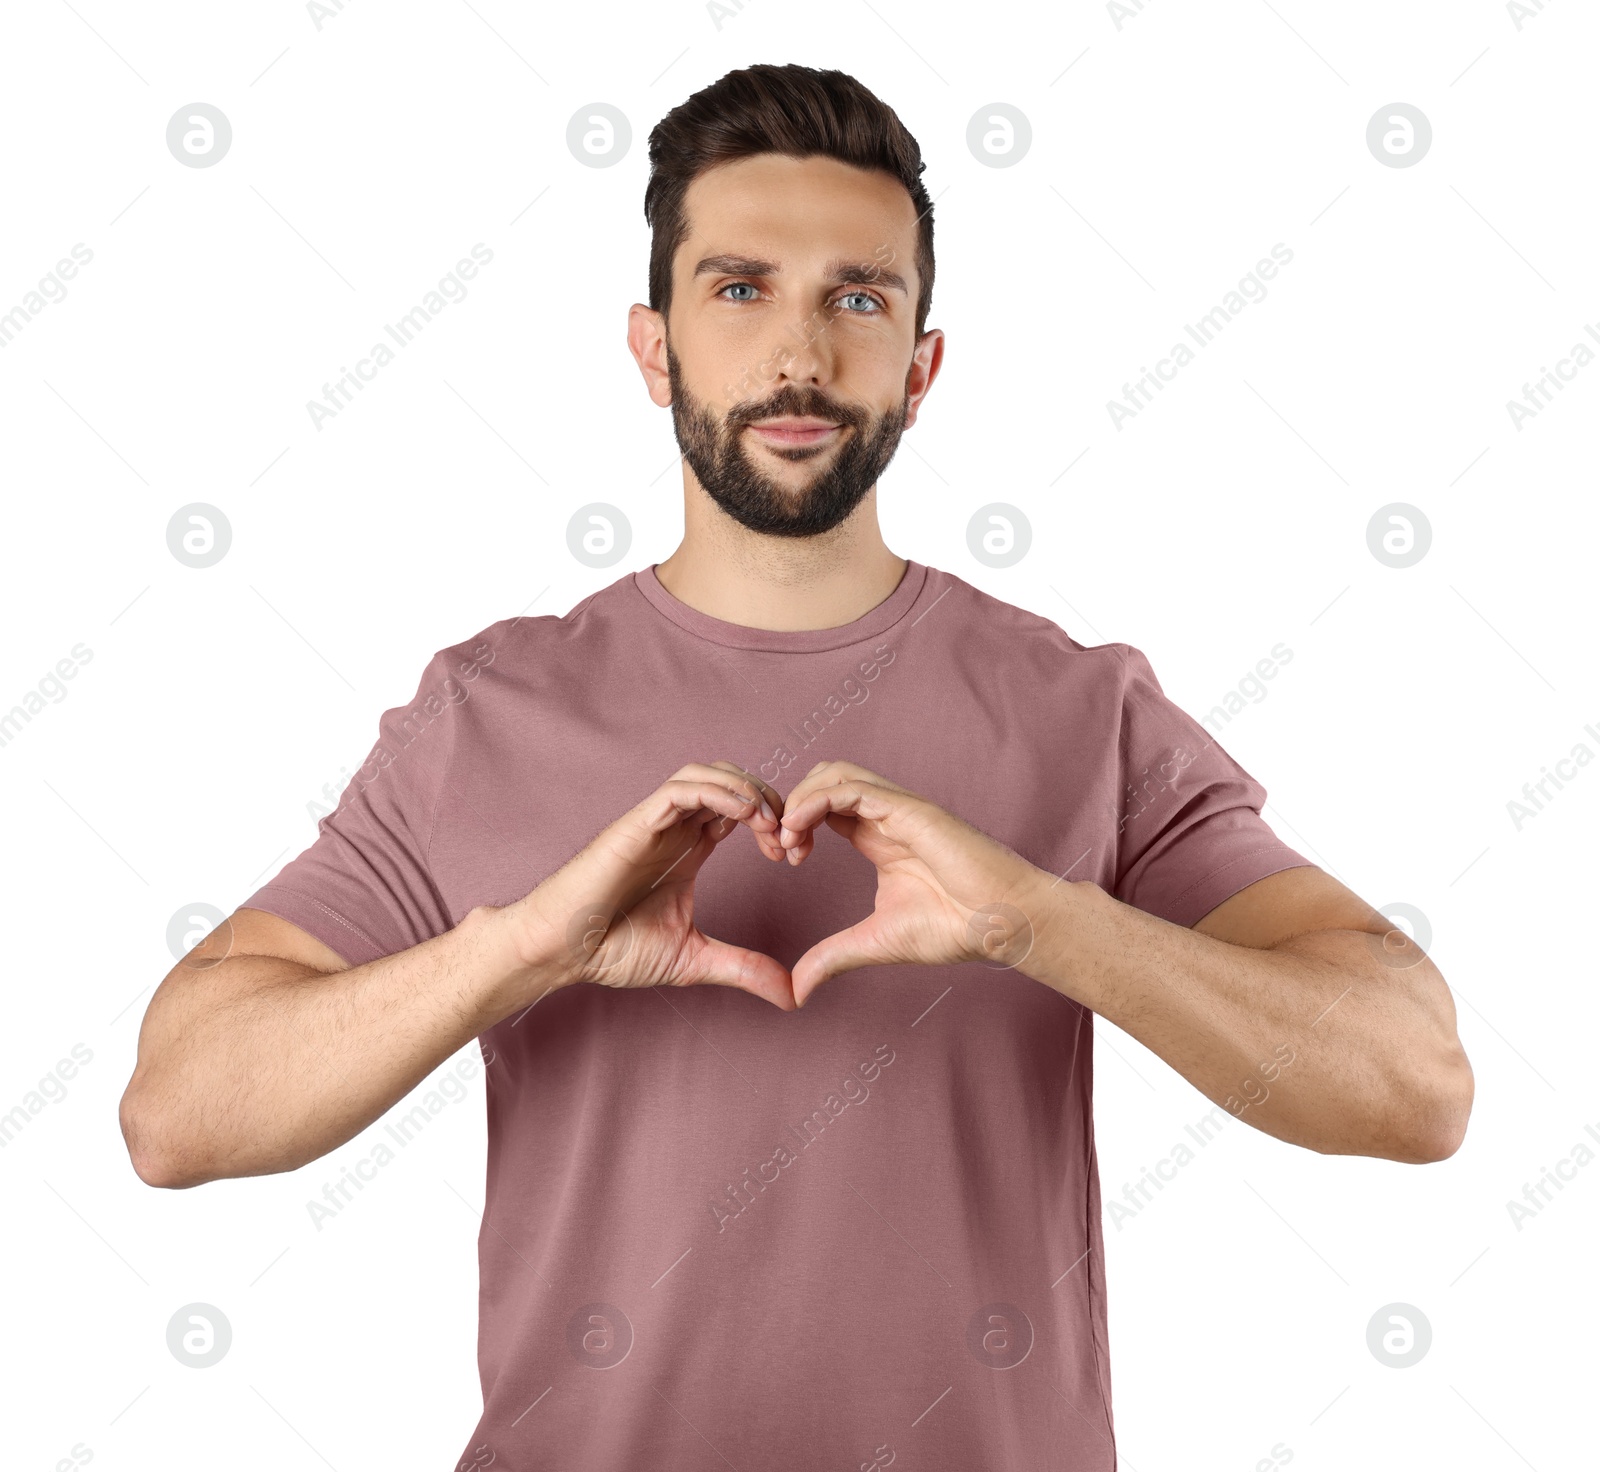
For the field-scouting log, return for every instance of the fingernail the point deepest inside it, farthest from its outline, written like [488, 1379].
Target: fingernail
[766, 810]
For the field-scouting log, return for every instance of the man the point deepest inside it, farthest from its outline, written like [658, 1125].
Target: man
[791, 1159]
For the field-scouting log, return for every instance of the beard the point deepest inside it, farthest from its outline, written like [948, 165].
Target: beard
[715, 451]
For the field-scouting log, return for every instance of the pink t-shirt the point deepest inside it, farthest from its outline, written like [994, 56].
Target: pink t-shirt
[718, 1234]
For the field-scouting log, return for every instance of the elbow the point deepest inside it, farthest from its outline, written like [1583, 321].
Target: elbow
[152, 1162]
[1435, 1118]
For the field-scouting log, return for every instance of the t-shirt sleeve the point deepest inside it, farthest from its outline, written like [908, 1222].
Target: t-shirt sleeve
[1190, 830]
[364, 887]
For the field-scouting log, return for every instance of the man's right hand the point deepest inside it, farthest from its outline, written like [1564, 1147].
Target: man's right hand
[621, 912]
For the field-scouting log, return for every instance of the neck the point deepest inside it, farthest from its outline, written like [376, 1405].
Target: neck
[787, 583]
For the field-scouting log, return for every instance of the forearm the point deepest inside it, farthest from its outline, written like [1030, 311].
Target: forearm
[259, 1065]
[1318, 1041]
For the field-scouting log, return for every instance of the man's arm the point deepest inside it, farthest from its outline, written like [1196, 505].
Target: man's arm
[279, 1052]
[1295, 1000]
[262, 1050]
[1294, 1004]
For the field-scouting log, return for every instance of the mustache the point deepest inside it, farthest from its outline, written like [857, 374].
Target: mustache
[793, 400]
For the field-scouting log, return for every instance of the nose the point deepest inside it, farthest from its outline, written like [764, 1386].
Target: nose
[804, 351]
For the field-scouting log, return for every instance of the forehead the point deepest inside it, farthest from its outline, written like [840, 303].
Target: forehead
[798, 209]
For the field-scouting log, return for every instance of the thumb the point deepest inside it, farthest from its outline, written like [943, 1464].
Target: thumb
[845, 950]
[716, 963]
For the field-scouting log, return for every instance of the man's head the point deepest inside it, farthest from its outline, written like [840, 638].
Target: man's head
[791, 272]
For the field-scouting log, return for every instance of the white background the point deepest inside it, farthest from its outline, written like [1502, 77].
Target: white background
[1169, 155]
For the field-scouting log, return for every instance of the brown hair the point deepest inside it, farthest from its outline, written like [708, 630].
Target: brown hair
[794, 110]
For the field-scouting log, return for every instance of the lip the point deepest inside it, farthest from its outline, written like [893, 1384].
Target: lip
[795, 431]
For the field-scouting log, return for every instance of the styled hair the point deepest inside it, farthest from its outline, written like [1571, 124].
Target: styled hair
[794, 110]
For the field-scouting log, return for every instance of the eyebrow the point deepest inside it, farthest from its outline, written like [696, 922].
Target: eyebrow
[841, 272]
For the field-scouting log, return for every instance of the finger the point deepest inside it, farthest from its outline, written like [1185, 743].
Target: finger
[773, 797]
[768, 803]
[852, 797]
[679, 800]
[846, 950]
[716, 963]
[830, 774]
[770, 795]
[731, 774]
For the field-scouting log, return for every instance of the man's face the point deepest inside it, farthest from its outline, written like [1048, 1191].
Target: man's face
[792, 363]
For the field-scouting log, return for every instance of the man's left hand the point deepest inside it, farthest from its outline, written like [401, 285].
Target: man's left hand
[947, 893]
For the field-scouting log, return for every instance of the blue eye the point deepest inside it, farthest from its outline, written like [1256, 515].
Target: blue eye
[865, 296]
[741, 286]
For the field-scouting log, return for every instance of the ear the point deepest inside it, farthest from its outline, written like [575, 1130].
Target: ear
[647, 341]
[926, 358]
